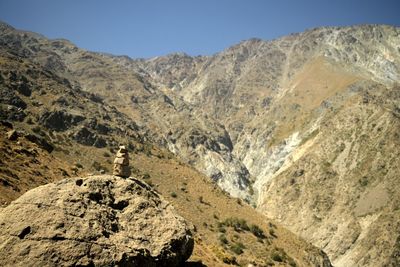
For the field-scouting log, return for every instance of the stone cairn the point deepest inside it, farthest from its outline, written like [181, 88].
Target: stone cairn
[121, 163]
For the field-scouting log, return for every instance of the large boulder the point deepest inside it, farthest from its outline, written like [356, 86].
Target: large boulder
[93, 221]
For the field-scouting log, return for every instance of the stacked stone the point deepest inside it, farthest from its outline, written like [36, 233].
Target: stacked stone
[121, 163]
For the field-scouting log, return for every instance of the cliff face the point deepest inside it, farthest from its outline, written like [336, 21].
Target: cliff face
[304, 127]
[313, 117]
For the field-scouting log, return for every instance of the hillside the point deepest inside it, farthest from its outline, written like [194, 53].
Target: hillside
[304, 128]
[63, 130]
[313, 117]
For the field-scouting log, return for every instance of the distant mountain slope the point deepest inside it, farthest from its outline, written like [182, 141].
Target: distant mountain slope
[314, 118]
[170, 121]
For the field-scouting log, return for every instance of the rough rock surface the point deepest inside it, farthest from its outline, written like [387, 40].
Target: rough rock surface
[93, 221]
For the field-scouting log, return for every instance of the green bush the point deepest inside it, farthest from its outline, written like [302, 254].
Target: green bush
[221, 230]
[292, 263]
[257, 231]
[78, 165]
[237, 248]
[173, 194]
[223, 239]
[363, 181]
[237, 224]
[277, 257]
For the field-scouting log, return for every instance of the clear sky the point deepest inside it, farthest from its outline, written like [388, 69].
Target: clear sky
[147, 28]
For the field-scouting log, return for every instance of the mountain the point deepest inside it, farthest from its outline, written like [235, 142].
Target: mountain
[304, 128]
[314, 117]
[55, 126]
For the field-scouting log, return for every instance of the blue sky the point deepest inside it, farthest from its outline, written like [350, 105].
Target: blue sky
[147, 28]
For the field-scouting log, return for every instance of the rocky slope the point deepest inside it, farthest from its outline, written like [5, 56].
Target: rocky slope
[314, 118]
[302, 127]
[125, 86]
[93, 221]
[195, 198]
[54, 127]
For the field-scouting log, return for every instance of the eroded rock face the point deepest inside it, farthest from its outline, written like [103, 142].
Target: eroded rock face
[93, 221]
[86, 137]
[59, 120]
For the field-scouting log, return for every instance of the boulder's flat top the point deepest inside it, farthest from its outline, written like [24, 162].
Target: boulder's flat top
[100, 220]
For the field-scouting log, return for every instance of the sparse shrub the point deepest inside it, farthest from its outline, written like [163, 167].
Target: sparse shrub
[74, 170]
[78, 165]
[173, 194]
[222, 255]
[270, 263]
[277, 257]
[146, 176]
[36, 129]
[229, 260]
[251, 190]
[223, 240]
[29, 121]
[363, 181]
[201, 199]
[292, 263]
[63, 172]
[131, 147]
[257, 231]
[160, 155]
[237, 224]
[237, 248]
[221, 230]
[147, 150]
[106, 154]
[215, 216]
[97, 166]
[272, 233]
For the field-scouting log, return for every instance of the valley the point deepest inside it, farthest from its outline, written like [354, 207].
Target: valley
[301, 131]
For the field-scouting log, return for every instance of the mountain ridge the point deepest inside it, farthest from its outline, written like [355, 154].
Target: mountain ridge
[251, 118]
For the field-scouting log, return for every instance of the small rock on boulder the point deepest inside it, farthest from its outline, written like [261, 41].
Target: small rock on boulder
[94, 221]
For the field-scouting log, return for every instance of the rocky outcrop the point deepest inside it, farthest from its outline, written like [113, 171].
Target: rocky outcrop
[59, 120]
[40, 141]
[9, 97]
[93, 221]
[86, 137]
